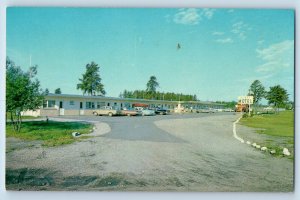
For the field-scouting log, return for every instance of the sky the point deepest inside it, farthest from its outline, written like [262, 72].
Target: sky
[222, 50]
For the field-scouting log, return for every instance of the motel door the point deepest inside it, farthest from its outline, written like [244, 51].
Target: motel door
[61, 108]
[81, 111]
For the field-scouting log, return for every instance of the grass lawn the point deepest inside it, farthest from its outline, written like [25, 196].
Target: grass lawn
[51, 133]
[279, 129]
[281, 124]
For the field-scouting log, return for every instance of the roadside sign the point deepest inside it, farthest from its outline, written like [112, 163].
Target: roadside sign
[246, 99]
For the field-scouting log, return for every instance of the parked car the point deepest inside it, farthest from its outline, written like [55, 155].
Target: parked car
[195, 110]
[207, 110]
[192, 110]
[145, 111]
[106, 110]
[219, 110]
[129, 112]
[161, 111]
[228, 110]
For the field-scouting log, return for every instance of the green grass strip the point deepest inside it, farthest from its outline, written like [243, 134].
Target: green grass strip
[51, 133]
[281, 124]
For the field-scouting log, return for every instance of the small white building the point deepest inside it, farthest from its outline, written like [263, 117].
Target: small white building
[67, 104]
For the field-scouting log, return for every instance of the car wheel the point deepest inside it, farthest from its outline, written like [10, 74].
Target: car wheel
[110, 114]
[95, 113]
[143, 114]
[128, 115]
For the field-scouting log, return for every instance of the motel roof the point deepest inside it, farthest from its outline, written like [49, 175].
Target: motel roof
[76, 96]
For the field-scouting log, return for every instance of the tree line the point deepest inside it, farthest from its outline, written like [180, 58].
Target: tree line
[167, 96]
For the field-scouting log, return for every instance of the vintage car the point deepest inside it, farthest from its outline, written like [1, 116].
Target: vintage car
[106, 110]
[145, 111]
[161, 111]
[129, 112]
[207, 110]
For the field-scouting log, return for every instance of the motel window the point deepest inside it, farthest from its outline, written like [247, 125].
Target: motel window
[51, 103]
[89, 105]
[127, 105]
[48, 103]
[71, 103]
[100, 104]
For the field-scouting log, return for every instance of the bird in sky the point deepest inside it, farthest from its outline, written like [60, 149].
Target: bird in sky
[178, 46]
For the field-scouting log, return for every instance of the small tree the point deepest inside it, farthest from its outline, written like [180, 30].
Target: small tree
[90, 82]
[22, 93]
[57, 91]
[277, 96]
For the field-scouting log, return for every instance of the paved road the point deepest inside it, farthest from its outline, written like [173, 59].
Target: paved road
[190, 152]
[141, 128]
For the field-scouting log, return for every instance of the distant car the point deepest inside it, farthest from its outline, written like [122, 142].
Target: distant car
[228, 110]
[207, 110]
[145, 111]
[129, 112]
[196, 110]
[106, 110]
[161, 111]
[219, 110]
[268, 108]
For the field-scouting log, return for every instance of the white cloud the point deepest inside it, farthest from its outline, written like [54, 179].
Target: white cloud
[224, 41]
[192, 16]
[240, 29]
[188, 16]
[217, 33]
[208, 12]
[276, 57]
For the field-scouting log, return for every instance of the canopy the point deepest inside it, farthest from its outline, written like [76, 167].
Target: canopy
[140, 105]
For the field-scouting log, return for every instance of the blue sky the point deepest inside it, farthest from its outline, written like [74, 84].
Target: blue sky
[222, 50]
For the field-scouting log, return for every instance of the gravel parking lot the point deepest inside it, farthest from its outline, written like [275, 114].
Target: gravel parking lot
[189, 152]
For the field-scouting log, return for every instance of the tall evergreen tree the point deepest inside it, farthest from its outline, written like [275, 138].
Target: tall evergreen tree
[257, 90]
[152, 84]
[90, 82]
[46, 91]
[57, 91]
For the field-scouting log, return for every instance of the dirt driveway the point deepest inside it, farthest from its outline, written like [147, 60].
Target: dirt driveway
[196, 154]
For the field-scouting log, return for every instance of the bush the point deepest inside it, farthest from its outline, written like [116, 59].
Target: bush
[245, 115]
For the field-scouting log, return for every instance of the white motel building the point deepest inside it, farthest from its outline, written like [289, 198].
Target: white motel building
[68, 104]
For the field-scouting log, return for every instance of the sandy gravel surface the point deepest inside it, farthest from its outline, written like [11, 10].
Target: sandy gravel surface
[205, 157]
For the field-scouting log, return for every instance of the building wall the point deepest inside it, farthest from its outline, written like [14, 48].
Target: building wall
[71, 112]
[71, 105]
[49, 112]
[31, 113]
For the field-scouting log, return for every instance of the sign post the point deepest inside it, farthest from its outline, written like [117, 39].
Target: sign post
[246, 100]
